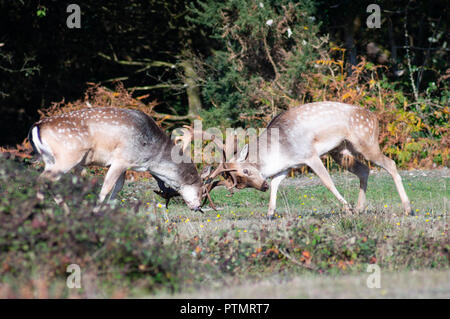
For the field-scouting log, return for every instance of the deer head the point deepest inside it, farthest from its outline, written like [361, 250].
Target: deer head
[236, 173]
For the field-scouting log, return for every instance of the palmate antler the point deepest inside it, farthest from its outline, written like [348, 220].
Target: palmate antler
[209, 183]
[208, 174]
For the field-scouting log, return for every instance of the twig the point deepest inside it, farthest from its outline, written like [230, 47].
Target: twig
[173, 117]
[149, 63]
[285, 254]
[408, 57]
[123, 78]
[157, 86]
[275, 69]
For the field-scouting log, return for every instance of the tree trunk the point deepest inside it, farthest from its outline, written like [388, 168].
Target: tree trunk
[191, 80]
[350, 29]
[350, 47]
[393, 47]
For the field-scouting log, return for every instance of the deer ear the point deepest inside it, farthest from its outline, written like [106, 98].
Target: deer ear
[243, 154]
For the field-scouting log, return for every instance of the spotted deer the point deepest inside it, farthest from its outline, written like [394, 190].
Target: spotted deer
[307, 132]
[117, 138]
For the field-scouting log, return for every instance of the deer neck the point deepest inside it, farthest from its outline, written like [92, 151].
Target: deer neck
[270, 159]
[172, 173]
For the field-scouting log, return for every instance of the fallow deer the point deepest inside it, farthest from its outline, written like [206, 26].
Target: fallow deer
[117, 138]
[309, 131]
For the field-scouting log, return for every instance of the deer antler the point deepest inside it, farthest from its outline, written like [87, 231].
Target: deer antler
[208, 175]
[186, 138]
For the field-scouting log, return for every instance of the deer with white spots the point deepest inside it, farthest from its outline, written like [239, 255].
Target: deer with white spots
[307, 132]
[117, 138]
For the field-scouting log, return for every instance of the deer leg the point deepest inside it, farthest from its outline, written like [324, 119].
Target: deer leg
[276, 180]
[118, 186]
[111, 179]
[80, 170]
[53, 172]
[317, 166]
[61, 165]
[389, 165]
[359, 169]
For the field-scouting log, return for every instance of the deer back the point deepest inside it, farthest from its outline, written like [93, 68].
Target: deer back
[315, 128]
[106, 135]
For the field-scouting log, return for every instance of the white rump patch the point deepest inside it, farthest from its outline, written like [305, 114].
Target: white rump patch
[43, 149]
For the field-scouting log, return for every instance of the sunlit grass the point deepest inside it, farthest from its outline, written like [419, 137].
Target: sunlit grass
[247, 208]
[243, 217]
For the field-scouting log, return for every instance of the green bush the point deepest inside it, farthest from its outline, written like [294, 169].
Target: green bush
[261, 50]
[346, 246]
[40, 236]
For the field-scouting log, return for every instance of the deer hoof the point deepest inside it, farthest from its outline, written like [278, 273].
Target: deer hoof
[348, 210]
[360, 209]
[408, 210]
[97, 209]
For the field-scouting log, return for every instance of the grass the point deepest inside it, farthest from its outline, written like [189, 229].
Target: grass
[382, 234]
[306, 197]
[233, 252]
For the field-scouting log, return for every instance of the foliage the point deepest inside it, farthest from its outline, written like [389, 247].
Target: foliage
[347, 244]
[262, 49]
[40, 237]
[139, 42]
[414, 134]
[134, 249]
[270, 57]
[99, 96]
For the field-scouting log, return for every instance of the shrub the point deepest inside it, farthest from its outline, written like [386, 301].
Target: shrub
[409, 134]
[347, 244]
[270, 57]
[263, 47]
[40, 236]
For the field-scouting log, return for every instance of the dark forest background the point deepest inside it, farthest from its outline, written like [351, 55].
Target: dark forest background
[234, 62]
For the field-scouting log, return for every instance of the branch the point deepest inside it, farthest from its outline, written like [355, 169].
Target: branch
[157, 86]
[274, 66]
[173, 117]
[285, 254]
[150, 63]
[123, 78]
[423, 49]
[408, 57]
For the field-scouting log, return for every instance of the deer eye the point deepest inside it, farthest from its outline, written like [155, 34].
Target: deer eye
[246, 172]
